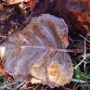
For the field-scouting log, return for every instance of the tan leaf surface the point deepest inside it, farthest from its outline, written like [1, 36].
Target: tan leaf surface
[9, 2]
[34, 53]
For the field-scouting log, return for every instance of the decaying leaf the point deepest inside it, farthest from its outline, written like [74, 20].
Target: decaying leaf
[22, 5]
[34, 53]
[10, 2]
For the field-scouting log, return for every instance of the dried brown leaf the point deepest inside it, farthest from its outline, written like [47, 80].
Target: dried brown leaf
[10, 2]
[34, 53]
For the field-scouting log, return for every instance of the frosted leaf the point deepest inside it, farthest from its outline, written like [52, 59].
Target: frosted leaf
[33, 54]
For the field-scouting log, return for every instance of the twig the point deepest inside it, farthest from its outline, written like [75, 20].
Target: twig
[78, 81]
[42, 87]
[20, 85]
[87, 56]
[84, 55]
[36, 87]
[85, 85]
[46, 87]
[74, 87]
[84, 38]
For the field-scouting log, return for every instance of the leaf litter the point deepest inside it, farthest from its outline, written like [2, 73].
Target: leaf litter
[33, 54]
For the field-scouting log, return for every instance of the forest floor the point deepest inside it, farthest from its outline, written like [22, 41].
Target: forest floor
[14, 19]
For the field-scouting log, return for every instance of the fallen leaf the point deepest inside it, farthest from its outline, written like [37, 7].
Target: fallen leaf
[34, 54]
[10, 2]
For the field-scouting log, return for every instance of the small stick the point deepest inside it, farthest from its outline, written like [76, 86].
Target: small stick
[84, 38]
[84, 56]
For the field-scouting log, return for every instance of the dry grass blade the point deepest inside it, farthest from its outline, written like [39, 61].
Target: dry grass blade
[84, 55]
